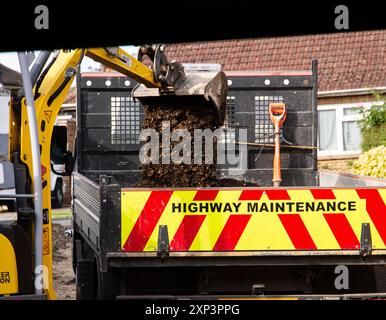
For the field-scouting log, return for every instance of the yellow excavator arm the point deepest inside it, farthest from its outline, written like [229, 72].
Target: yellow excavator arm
[53, 86]
[121, 61]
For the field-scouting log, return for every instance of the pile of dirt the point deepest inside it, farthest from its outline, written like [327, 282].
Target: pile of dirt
[64, 278]
[234, 183]
[188, 116]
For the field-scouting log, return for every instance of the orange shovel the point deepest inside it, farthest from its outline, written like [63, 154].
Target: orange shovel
[278, 115]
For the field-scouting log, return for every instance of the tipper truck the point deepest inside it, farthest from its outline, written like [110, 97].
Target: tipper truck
[234, 241]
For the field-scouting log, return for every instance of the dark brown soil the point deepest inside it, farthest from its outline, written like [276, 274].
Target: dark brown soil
[234, 183]
[190, 116]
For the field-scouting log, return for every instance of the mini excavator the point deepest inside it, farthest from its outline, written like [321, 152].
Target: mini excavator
[26, 245]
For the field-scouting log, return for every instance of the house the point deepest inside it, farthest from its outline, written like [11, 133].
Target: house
[9, 79]
[351, 66]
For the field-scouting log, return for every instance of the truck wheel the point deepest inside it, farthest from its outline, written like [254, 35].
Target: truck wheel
[363, 279]
[108, 285]
[57, 195]
[380, 275]
[85, 280]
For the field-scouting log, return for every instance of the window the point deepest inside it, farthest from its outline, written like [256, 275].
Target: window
[338, 128]
[125, 123]
[327, 130]
[351, 136]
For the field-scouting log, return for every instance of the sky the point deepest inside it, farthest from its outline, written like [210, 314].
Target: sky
[10, 60]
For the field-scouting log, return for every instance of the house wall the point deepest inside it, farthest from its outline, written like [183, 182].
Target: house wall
[346, 99]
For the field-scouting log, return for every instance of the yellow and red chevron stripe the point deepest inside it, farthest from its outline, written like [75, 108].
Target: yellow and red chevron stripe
[252, 219]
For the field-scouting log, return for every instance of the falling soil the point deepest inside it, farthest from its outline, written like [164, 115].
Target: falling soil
[195, 115]
[192, 114]
[64, 278]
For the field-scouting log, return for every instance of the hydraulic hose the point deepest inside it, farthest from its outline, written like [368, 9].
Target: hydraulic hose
[39, 65]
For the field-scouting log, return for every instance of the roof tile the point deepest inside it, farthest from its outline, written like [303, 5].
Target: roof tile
[347, 60]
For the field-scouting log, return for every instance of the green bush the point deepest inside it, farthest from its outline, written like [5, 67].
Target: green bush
[375, 116]
[373, 126]
[373, 137]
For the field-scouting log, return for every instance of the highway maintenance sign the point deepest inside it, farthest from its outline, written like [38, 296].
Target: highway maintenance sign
[252, 219]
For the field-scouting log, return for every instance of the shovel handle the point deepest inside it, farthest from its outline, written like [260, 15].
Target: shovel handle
[276, 160]
[278, 115]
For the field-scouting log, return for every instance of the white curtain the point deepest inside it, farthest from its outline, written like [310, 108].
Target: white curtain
[327, 130]
[351, 136]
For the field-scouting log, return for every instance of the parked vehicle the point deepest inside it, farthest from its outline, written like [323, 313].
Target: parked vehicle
[7, 182]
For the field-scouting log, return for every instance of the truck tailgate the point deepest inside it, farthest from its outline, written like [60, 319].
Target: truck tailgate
[221, 220]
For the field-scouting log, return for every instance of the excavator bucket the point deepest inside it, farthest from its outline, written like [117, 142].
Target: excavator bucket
[196, 88]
